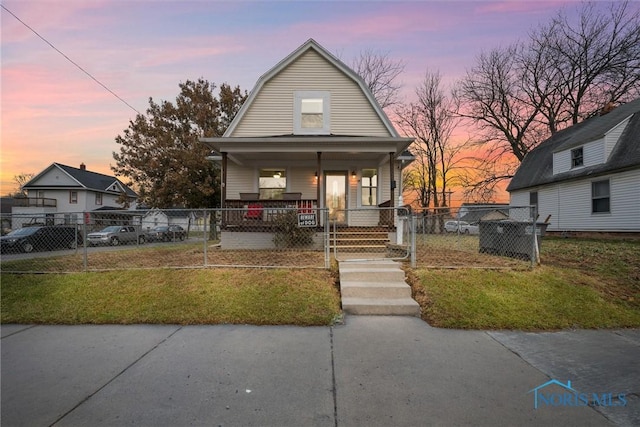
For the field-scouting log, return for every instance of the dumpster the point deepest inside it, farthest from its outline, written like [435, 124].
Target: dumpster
[510, 238]
[490, 237]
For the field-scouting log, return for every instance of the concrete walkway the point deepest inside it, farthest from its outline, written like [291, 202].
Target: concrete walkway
[371, 371]
[375, 287]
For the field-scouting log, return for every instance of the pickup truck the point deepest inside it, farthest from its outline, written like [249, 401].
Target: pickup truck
[115, 235]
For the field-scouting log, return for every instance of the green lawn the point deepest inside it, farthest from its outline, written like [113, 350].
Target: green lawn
[273, 297]
[582, 283]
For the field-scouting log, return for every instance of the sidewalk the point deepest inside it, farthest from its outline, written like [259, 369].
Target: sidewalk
[371, 371]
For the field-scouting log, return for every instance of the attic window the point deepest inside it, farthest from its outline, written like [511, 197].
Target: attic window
[311, 113]
[577, 157]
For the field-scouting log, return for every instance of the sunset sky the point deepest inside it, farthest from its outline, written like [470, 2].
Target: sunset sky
[53, 112]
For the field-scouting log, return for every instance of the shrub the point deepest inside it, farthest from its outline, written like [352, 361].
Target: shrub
[288, 234]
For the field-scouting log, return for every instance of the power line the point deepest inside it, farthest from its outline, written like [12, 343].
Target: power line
[70, 60]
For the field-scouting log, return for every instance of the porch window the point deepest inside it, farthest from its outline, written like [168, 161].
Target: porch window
[73, 197]
[272, 183]
[311, 112]
[600, 197]
[369, 184]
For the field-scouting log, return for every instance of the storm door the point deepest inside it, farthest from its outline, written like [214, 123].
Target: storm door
[336, 196]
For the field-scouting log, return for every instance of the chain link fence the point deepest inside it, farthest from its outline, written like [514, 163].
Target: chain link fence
[487, 237]
[264, 236]
[122, 239]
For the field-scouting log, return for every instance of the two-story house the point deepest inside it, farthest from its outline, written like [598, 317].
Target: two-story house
[312, 135]
[586, 177]
[60, 194]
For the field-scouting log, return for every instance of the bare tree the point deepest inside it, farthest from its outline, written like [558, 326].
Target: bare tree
[517, 96]
[20, 180]
[380, 72]
[595, 60]
[431, 120]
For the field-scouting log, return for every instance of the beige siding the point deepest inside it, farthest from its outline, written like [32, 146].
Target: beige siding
[240, 180]
[271, 112]
[302, 180]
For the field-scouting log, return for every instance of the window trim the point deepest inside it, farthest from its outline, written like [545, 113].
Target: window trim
[575, 157]
[594, 198]
[73, 200]
[98, 199]
[300, 95]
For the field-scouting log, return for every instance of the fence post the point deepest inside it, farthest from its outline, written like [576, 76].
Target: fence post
[412, 230]
[326, 239]
[84, 241]
[205, 235]
[534, 238]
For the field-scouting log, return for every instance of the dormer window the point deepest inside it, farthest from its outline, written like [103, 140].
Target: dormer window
[577, 157]
[311, 113]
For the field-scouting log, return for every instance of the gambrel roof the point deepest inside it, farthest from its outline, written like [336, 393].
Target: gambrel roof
[537, 166]
[81, 179]
[311, 45]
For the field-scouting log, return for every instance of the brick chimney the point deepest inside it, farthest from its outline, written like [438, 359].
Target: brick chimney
[83, 167]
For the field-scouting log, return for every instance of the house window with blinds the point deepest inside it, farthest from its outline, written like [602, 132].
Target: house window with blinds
[600, 197]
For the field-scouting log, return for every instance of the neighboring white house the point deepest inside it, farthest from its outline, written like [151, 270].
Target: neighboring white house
[60, 194]
[586, 177]
[187, 219]
[311, 134]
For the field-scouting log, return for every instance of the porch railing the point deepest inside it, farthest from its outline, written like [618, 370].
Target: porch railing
[262, 212]
[34, 202]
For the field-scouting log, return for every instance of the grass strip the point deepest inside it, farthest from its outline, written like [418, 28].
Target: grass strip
[165, 296]
[546, 298]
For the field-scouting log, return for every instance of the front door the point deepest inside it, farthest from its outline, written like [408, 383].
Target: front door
[335, 184]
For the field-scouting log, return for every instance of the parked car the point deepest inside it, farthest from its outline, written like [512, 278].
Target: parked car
[461, 227]
[41, 238]
[166, 233]
[115, 235]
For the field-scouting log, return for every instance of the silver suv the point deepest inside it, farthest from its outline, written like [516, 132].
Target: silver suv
[115, 235]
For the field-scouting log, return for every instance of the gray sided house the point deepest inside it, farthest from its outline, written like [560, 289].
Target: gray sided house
[476, 212]
[586, 177]
[310, 135]
[60, 193]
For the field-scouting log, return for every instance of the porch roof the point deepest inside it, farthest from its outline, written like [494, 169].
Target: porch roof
[244, 150]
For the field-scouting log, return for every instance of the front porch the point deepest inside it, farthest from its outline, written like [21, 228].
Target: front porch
[262, 215]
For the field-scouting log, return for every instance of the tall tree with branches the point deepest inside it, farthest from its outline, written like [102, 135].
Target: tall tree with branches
[431, 120]
[519, 95]
[160, 152]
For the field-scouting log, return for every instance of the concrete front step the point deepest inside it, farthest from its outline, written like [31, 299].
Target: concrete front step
[381, 306]
[377, 275]
[374, 290]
